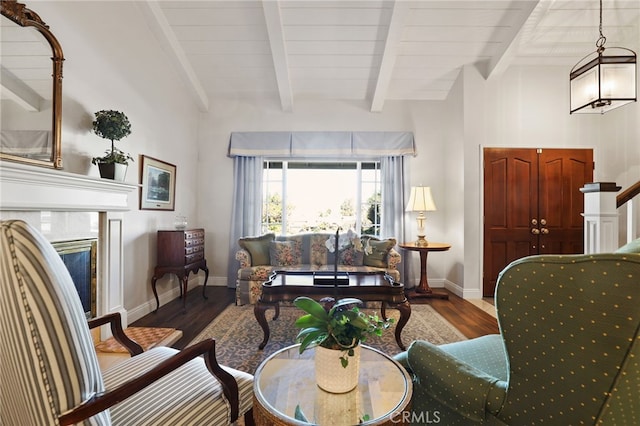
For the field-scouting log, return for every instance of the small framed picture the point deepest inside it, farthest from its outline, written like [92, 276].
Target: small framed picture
[158, 179]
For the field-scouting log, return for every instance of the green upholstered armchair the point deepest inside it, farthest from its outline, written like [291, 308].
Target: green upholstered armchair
[568, 351]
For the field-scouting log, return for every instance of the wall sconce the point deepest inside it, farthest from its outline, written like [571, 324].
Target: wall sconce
[421, 201]
[600, 83]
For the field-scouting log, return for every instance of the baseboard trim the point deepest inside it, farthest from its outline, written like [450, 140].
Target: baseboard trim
[453, 287]
[464, 293]
[433, 283]
[149, 306]
[472, 293]
[146, 308]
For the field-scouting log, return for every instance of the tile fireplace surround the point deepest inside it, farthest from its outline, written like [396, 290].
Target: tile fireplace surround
[68, 206]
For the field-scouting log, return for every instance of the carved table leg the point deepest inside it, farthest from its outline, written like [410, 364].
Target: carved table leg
[258, 311]
[155, 292]
[423, 290]
[277, 314]
[405, 313]
[183, 291]
[206, 278]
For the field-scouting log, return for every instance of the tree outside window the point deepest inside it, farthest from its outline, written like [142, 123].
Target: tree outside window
[318, 197]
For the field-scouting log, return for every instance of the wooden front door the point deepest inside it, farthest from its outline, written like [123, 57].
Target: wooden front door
[532, 205]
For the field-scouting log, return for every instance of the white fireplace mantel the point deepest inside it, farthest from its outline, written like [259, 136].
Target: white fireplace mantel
[29, 188]
[25, 187]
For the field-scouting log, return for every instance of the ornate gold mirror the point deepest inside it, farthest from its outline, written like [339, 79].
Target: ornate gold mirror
[31, 112]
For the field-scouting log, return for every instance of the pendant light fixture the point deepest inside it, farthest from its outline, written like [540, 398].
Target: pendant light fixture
[599, 82]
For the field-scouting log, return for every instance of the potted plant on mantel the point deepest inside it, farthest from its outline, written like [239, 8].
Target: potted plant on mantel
[336, 329]
[112, 125]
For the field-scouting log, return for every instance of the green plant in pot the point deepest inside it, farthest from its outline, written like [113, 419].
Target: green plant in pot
[112, 125]
[339, 326]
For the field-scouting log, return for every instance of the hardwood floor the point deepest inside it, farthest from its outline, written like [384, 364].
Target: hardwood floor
[469, 319]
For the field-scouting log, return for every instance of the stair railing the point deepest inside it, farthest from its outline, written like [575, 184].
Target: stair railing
[630, 200]
[602, 215]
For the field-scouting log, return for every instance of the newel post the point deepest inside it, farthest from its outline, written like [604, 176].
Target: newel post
[600, 217]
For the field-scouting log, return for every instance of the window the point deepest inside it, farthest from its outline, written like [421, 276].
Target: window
[319, 196]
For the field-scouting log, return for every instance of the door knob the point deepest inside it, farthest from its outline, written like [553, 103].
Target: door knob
[535, 231]
[534, 222]
[543, 222]
[545, 231]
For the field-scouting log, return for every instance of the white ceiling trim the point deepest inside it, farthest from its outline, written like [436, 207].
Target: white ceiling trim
[273, 19]
[391, 47]
[159, 25]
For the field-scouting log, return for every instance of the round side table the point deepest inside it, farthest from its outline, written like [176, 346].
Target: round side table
[285, 383]
[423, 290]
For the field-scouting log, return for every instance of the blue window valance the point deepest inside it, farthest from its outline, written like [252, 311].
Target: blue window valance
[321, 144]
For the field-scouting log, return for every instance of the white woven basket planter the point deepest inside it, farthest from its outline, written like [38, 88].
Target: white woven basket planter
[331, 375]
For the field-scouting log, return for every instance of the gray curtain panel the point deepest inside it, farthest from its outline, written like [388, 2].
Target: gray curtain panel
[395, 194]
[246, 208]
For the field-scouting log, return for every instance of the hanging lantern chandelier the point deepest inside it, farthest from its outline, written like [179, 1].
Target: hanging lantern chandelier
[599, 82]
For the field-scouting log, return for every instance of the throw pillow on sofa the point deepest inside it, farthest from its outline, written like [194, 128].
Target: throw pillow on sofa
[283, 253]
[258, 248]
[379, 251]
[351, 257]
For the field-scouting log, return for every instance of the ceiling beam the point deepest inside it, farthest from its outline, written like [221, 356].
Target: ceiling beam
[391, 46]
[522, 32]
[275, 31]
[162, 30]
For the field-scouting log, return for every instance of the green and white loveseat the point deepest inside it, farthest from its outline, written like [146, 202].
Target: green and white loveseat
[260, 256]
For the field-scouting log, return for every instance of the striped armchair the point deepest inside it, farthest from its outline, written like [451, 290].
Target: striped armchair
[49, 371]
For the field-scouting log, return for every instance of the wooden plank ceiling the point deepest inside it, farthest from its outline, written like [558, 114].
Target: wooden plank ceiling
[367, 50]
[378, 50]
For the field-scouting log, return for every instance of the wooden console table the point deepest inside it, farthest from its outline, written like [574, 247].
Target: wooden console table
[180, 252]
[423, 290]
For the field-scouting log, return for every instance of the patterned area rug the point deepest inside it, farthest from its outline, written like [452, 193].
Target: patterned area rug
[238, 334]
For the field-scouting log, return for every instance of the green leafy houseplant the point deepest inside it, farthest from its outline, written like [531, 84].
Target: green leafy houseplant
[112, 125]
[339, 325]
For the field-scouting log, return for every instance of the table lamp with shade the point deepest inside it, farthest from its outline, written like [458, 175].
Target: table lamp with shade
[421, 201]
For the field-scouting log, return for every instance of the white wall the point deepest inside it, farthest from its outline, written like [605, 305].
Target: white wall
[216, 169]
[113, 62]
[528, 107]
[453, 260]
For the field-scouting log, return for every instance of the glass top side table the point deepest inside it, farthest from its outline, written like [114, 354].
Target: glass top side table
[286, 380]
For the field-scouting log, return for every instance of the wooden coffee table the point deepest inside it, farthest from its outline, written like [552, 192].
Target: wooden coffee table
[286, 380]
[375, 287]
